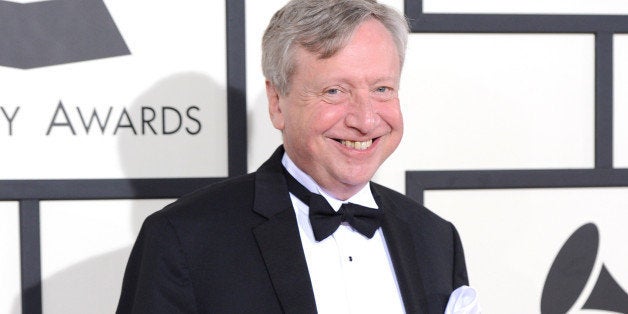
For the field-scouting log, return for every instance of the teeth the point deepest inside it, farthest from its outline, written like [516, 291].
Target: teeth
[357, 145]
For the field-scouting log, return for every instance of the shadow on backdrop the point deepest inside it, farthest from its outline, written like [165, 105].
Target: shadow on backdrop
[263, 138]
[93, 285]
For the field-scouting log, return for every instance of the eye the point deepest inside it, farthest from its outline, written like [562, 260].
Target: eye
[332, 91]
[335, 94]
[384, 93]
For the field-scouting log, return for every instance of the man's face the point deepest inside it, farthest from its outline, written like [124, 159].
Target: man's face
[341, 118]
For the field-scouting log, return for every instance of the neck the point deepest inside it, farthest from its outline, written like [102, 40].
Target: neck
[342, 192]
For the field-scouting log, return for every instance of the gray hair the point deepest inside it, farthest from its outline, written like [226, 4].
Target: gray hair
[322, 27]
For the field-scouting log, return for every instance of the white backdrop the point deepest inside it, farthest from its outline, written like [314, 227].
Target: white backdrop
[620, 122]
[9, 250]
[470, 101]
[526, 7]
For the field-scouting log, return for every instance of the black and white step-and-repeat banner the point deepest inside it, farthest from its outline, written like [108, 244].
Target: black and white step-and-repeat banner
[99, 91]
[516, 130]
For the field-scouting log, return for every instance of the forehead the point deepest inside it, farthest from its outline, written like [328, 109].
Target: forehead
[370, 51]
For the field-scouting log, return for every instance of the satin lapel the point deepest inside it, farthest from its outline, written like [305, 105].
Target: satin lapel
[279, 241]
[402, 250]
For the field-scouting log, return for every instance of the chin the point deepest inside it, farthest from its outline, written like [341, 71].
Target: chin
[358, 178]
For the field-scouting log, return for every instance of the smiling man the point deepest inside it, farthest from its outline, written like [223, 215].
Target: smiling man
[308, 232]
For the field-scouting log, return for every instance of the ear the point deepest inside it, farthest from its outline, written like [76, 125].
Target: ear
[274, 108]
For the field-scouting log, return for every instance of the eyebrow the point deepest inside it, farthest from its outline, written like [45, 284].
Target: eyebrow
[338, 81]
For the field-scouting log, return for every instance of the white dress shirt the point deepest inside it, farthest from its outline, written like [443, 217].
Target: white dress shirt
[350, 273]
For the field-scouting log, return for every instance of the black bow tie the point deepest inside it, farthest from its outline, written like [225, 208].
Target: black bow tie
[325, 220]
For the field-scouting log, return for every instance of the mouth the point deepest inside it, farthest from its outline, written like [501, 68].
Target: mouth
[359, 145]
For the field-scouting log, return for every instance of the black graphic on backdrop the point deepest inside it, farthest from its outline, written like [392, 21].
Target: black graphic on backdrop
[570, 272]
[48, 33]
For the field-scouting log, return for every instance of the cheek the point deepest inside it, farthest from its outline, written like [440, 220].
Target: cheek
[391, 115]
[399, 120]
[326, 117]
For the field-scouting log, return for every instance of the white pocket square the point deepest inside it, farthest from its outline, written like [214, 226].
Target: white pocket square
[463, 300]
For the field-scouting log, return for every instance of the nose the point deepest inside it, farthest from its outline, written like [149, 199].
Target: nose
[361, 114]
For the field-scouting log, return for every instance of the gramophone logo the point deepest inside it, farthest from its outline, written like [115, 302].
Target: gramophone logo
[56, 32]
[570, 272]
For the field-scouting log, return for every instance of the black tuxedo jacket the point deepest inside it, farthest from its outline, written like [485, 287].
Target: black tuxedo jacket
[234, 247]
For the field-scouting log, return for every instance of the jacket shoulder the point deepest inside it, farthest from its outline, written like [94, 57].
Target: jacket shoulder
[406, 207]
[222, 203]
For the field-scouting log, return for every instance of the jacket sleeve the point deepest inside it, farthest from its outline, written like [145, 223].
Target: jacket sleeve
[460, 277]
[157, 279]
